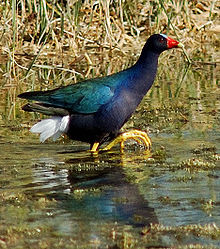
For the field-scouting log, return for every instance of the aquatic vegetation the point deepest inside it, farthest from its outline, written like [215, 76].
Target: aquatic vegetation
[209, 230]
[196, 164]
[204, 149]
[180, 232]
[208, 205]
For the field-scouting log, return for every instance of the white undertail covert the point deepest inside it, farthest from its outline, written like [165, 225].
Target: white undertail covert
[52, 127]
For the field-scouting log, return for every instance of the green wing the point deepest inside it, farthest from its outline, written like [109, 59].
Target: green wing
[84, 97]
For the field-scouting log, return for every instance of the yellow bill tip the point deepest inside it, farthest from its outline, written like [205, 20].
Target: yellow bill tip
[180, 45]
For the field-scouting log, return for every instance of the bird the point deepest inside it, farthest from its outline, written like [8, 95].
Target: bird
[94, 110]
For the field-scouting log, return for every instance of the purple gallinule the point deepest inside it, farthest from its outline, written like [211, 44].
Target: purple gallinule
[94, 110]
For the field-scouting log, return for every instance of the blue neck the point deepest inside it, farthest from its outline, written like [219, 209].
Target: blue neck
[143, 73]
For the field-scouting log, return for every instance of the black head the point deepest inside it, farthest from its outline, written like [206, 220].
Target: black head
[159, 42]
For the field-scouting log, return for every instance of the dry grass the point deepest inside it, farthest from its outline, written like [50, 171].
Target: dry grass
[50, 43]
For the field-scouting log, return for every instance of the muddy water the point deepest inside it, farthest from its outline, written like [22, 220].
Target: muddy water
[58, 195]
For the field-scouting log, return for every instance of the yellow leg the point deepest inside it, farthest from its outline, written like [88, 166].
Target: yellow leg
[137, 135]
[95, 147]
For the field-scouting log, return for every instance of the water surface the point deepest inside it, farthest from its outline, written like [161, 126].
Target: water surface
[60, 195]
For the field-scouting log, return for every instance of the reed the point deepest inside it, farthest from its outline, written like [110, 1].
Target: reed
[60, 42]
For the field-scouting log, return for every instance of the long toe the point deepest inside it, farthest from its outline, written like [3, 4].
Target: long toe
[94, 148]
[137, 135]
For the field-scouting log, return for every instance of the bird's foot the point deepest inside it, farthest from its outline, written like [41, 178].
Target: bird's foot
[137, 135]
[94, 148]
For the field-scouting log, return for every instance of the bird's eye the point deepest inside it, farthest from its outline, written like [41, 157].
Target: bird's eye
[161, 39]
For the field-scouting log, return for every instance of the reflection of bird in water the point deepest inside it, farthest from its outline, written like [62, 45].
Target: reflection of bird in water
[94, 110]
[104, 192]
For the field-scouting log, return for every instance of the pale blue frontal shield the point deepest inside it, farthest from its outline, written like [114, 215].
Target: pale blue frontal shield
[164, 35]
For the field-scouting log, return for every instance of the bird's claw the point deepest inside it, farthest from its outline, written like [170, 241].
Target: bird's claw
[137, 135]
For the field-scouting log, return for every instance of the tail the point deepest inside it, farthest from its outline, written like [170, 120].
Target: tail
[52, 127]
[37, 95]
[45, 109]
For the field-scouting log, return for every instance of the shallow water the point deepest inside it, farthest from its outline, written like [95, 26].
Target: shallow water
[59, 195]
